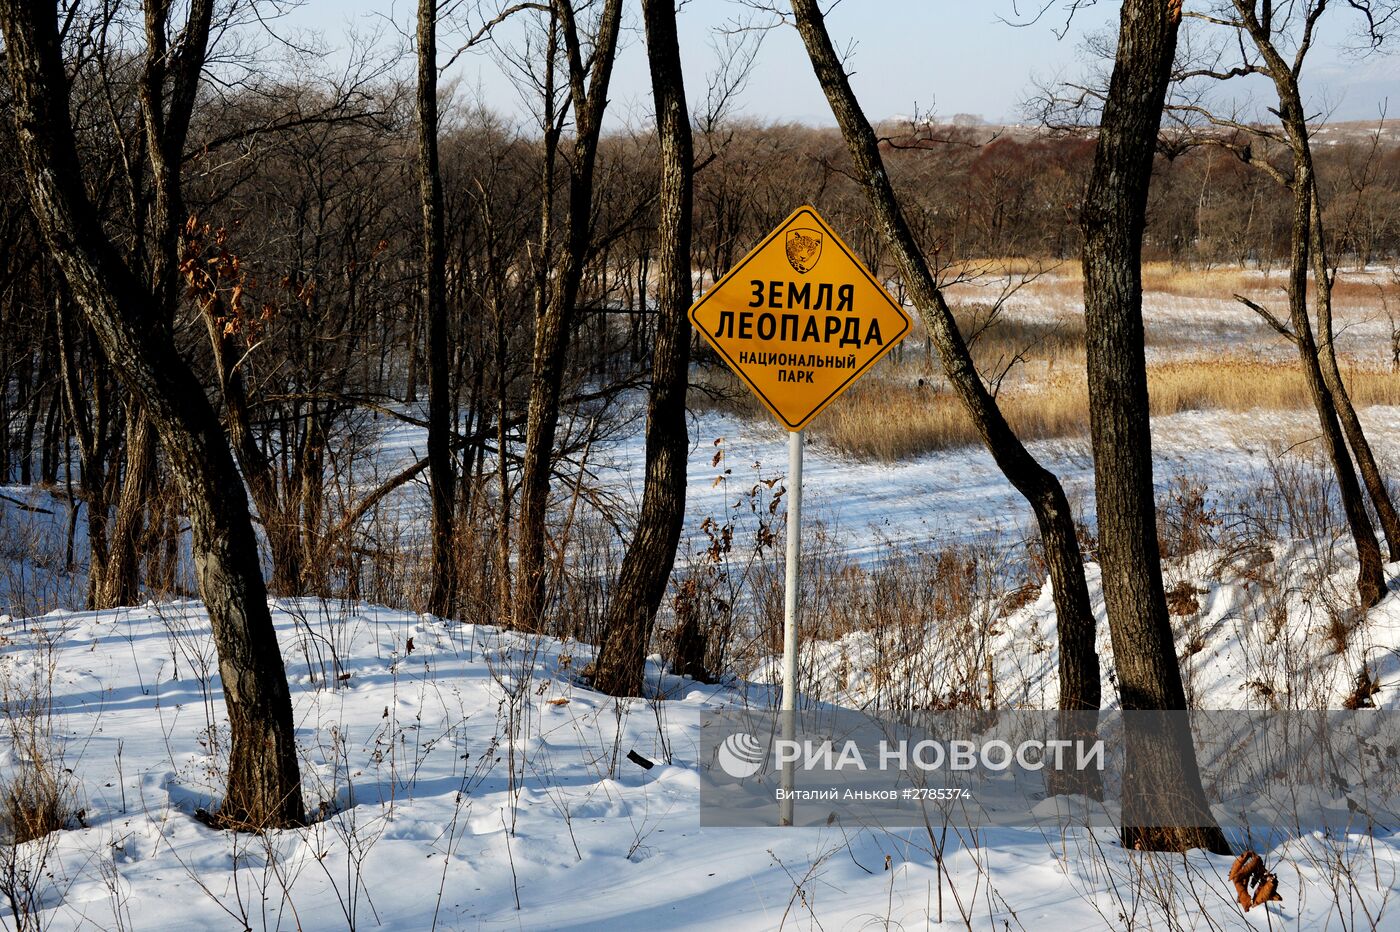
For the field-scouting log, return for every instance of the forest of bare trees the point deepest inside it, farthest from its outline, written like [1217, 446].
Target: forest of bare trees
[217, 280]
[307, 195]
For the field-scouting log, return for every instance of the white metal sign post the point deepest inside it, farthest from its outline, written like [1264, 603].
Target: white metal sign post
[792, 612]
[799, 319]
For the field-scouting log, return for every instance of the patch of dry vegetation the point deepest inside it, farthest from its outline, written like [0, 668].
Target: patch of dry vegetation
[892, 420]
[36, 793]
[1035, 366]
[1185, 280]
[1192, 281]
[890, 416]
[1234, 384]
[1066, 280]
[921, 625]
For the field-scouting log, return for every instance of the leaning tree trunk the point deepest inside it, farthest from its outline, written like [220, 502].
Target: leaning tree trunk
[1370, 574]
[554, 325]
[442, 592]
[1332, 375]
[1370, 579]
[646, 568]
[1164, 803]
[264, 787]
[1079, 664]
[88, 423]
[278, 513]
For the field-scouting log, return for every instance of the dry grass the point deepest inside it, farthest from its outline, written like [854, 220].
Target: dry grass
[34, 801]
[1233, 384]
[1066, 280]
[904, 408]
[36, 793]
[997, 339]
[926, 615]
[920, 625]
[894, 418]
[884, 420]
[1164, 278]
[1196, 281]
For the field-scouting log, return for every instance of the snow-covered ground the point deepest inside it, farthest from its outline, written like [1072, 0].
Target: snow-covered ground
[1207, 319]
[460, 777]
[471, 783]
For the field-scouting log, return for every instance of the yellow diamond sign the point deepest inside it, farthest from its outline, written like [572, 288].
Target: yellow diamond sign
[800, 318]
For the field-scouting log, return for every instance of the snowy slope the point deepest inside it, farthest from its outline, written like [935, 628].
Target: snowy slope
[470, 783]
[454, 786]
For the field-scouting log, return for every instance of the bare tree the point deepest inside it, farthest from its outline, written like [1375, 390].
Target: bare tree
[1079, 664]
[116, 446]
[441, 417]
[646, 567]
[1265, 29]
[130, 318]
[1161, 773]
[588, 94]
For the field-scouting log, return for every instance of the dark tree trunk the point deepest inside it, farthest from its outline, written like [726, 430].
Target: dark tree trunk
[646, 568]
[1370, 577]
[89, 425]
[121, 581]
[530, 546]
[5, 438]
[263, 788]
[1079, 664]
[442, 594]
[50, 458]
[410, 393]
[589, 93]
[310, 490]
[1332, 375]
[1324, 386]
[1160, 766]
[33, 401]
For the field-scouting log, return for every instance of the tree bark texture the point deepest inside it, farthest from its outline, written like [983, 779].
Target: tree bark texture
[588, 90]
[1079, 663]
[442, 592]
[1114, 215]
[121, 583]
[263, 787]
[646, 567]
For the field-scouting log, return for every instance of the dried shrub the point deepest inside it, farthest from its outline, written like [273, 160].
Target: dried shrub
[1363, 691]
[1186, 522]
[1182, 601]
[901, 410]
[36, 793]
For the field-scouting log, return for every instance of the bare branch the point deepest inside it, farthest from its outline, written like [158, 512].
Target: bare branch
[485, 31]
[1274, 323]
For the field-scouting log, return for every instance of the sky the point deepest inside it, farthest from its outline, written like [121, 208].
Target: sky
[944, 57]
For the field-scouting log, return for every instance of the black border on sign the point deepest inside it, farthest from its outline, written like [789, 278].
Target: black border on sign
[738, 266]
